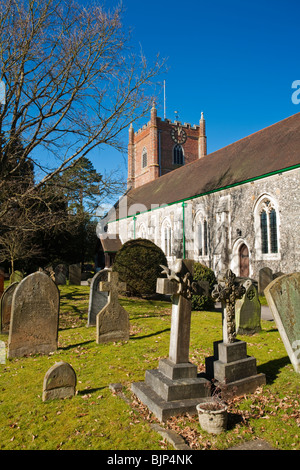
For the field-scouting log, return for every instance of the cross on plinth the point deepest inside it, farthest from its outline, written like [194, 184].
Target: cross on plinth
[112, 322]
[227, 292]
[175, 388]
[181, 285]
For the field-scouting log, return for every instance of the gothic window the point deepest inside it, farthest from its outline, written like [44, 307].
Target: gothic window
[178, 155]
[142, 232]
[268, 228]
[167, 239]
[144, 158]
[202, 238]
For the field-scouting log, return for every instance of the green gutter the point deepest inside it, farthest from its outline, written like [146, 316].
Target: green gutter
[294, 167]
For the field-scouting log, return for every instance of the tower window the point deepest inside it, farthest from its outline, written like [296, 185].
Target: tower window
[144, 158]
[178, 155]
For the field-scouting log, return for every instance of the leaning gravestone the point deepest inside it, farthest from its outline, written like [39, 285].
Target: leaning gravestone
[265, 276]
[59, 382]
[174, 388]
[61, 274]
[6, 301]
[248, 311]
[75, 274]
[98, 299]
[34, 317]
[112, 322]
[283, 297]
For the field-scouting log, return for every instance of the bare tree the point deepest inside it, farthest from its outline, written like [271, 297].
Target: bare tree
[72, 84]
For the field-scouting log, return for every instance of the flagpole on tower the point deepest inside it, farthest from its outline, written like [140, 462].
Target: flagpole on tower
[164, 99]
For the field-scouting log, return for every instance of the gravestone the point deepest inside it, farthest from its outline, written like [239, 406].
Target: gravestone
[75, 274]
[97, 299]
[59, 382]
[6, 302]
[283, 297]
[248, 311]
[34, 317]
[232, 370]
[265, 276]
[112, 322]
[16, 276]
[175, 388]
[61, 274]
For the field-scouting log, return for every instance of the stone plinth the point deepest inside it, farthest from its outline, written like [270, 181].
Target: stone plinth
[172, 389]
[233, 371]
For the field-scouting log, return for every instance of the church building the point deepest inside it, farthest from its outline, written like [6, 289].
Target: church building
[236, 208]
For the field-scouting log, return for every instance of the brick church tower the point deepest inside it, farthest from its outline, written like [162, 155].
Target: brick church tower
[161, 146]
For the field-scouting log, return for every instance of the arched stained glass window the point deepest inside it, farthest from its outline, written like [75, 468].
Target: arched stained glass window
[268, 228]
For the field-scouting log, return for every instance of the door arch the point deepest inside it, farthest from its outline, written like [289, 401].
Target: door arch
[244, 260]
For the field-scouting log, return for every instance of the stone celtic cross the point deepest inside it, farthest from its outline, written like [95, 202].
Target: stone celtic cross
[181, 285]
[227, 291]
[113, 286]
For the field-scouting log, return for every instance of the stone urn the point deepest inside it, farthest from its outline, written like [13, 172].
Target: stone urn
[212, 416]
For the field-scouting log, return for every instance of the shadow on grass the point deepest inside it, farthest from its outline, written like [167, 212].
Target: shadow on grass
[151, 334]
[233, 420]
[89, 390]
[65, 348]
[272, 368]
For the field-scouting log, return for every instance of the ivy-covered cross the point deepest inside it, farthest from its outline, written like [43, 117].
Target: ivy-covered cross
[227, 291]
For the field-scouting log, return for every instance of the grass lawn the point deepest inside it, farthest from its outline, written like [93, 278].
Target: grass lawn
[97, 419]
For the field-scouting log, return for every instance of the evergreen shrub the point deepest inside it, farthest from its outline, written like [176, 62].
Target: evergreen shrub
[203, 273]
[138, 264]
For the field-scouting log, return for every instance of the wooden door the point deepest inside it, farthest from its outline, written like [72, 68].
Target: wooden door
[244, 260]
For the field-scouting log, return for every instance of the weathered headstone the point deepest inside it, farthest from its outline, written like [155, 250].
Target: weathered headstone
[174, 388]
[75, 274]
[112, 322]
[61, 274]
[6, 302]
[98, 299]
[283, 297]
[34, 317]
[248, 311]
[59, 382]
[16, 276]
[265, 276]
[231, 368]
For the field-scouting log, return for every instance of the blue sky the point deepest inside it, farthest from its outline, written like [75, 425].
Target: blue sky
[233, 60]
